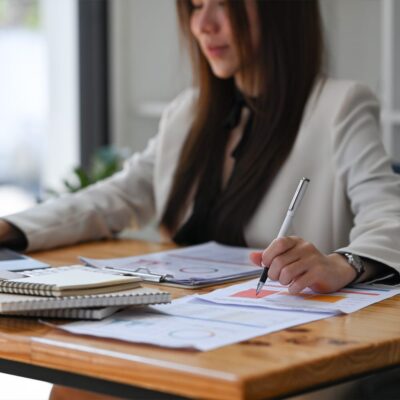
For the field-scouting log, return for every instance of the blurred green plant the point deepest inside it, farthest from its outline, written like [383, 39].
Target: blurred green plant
[23, 13]
[105, 162]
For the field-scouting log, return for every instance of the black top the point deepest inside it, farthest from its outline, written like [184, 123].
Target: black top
[199, 226]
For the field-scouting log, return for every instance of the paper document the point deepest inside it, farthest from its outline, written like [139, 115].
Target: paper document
[186, 323]
[276, 296]
[13, 261]
[191, 267]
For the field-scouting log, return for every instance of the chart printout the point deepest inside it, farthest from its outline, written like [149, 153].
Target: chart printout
[276, 296]
[188, 323]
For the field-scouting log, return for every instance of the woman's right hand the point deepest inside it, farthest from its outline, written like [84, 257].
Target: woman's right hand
[299, 264]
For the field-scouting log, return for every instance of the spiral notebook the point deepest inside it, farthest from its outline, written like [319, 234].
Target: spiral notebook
[72, 280]
[9, 303]
[96, 313]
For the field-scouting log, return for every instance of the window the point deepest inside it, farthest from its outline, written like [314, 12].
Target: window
[23, 102]
[38, 98]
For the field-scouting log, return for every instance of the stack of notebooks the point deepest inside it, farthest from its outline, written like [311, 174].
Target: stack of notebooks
[72, 292]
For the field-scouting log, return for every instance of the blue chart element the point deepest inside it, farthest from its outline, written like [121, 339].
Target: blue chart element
[129, 322]
[198, 270]
[191, 334]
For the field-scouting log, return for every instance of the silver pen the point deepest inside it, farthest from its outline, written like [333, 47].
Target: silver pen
[294, 204]
[150, 277]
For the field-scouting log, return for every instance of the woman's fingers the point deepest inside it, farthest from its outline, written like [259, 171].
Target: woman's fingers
[300, 283]
[280, 264]
[290, 272]
[284, 268]
[277, 255]
[278, 247]
[256, 257]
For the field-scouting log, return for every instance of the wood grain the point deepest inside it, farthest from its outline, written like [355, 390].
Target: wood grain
[267, 366]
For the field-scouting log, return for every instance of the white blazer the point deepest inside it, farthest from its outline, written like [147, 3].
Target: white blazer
[352, 203]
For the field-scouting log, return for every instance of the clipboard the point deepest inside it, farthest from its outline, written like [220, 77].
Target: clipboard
[168, 280]
[190, 267]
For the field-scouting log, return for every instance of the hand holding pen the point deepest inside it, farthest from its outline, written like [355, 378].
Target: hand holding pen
[293, 261]
[294, 204]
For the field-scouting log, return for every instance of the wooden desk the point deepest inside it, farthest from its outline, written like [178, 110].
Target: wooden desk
[282, 363]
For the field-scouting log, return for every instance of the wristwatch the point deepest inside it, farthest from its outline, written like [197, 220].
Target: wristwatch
[356, 262]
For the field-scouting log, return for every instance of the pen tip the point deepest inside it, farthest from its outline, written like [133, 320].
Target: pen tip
[259, 287]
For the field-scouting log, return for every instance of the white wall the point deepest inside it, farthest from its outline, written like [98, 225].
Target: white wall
[353, 32]
[148, 68]
[61, 29]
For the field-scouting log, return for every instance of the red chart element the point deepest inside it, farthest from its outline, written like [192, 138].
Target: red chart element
[251, 293]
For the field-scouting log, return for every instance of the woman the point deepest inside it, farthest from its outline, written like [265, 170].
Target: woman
[229, 154]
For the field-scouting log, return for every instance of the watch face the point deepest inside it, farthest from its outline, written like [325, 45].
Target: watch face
[356, 262]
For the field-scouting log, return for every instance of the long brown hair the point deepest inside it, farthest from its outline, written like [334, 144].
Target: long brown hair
[290, 58]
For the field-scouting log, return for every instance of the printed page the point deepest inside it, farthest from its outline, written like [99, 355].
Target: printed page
[276, 296]
[188, 323]
[205, 263]
[13, 261]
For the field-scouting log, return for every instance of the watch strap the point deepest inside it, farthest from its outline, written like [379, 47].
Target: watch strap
[355, 262]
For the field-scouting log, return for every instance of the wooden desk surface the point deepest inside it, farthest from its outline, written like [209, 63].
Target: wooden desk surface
[285, 362]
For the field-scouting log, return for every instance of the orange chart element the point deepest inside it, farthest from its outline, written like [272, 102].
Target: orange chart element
[325, 298]
[251, 293]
